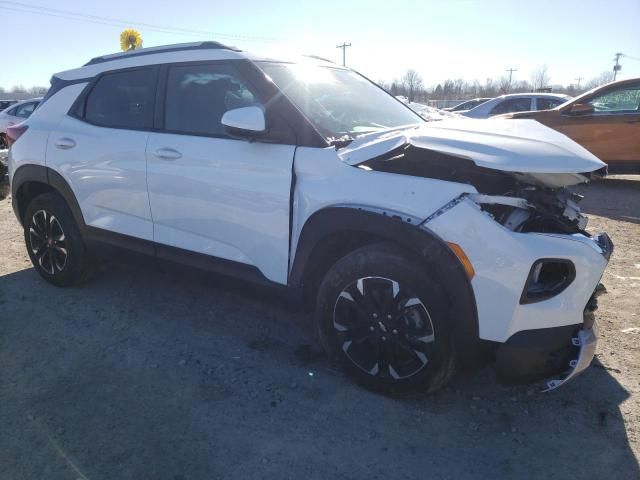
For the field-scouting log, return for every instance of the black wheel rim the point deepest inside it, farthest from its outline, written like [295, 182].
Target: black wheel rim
[383, 328]
[48, 242]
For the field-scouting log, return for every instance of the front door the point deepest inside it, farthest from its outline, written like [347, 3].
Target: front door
[612, 130]
[212, 194]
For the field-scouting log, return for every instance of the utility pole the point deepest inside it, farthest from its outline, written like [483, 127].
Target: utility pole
[578, 79]
[511, 70]
[344, 51]
[617, 67]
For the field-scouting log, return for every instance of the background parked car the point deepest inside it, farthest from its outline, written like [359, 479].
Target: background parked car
[467, 105]
[431, 113]
[4, 104]
[16, 114]
[605, 121]
[517, 102]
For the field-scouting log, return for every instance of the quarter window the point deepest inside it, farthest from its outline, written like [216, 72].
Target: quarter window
[622, 100]
[513, 105]
[122, 100]
[198, 96]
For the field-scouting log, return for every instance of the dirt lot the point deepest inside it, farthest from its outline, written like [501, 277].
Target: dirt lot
[165, 373]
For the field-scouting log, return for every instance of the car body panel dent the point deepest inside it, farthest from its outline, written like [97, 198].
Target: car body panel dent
[518, 147]
[502, 260]
[412, 197]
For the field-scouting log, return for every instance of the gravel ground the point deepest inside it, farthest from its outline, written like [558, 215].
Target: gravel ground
[158, 372]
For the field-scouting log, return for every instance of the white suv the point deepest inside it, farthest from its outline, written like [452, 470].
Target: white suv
[420, 246]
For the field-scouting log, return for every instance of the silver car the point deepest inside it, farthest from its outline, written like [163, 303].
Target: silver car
[516, 102]
[16, 113]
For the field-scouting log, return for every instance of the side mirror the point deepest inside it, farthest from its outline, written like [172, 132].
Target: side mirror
[245, 122]
[581, 108]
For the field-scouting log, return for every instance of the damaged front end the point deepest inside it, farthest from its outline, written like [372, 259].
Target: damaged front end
[537, 269]
[521, 202]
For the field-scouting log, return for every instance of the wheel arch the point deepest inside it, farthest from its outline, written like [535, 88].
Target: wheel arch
[333, 232]
[30, 181]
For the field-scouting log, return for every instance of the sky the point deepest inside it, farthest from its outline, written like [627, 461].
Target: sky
[469, 39]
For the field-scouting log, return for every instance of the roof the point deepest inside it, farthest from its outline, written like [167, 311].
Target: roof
[179, 52]
[161, 49]
[534, 94]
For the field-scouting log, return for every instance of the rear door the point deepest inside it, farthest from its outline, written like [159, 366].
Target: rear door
[99, 148]
[611, 131]
[210, 193]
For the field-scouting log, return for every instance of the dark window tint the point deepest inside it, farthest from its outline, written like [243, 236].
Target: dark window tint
[548, 103]
[513, 105]
[198, 96]
[122, 100]
[25, 110]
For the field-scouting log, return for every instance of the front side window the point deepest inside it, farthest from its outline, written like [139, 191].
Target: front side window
[340, 103]
[622, 100]
[522, 104]
[198, 96]
[547, 103]
[122, 100]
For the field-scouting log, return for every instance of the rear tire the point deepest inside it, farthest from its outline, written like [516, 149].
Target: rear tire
[54, 242]
[385, 319]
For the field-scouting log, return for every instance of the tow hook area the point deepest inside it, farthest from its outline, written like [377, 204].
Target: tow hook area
[585, 340]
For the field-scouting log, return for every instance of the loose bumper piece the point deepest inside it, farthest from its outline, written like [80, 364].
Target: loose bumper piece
[586, 340]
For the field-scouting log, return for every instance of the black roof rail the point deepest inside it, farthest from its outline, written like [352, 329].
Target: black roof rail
[207, 45]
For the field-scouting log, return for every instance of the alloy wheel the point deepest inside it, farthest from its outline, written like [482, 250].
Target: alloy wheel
[383, 328]
[48, 242]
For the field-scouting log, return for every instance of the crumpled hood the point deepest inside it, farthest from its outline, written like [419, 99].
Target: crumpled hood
[532, 152]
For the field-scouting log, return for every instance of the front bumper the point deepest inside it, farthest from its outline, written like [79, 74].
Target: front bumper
[502, 260]
[586, 341]
[555, 354]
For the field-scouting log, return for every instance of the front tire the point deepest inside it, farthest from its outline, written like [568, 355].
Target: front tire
[384, 318]
[54, 243]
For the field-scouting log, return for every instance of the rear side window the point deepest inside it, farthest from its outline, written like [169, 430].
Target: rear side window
[122, 100]
[198, 95]
[513, 105]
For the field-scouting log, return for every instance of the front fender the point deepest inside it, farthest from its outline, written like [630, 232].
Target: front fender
[404, 232]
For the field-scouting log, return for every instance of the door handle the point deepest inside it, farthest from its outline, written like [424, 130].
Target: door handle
[65, 143]
[167, 154]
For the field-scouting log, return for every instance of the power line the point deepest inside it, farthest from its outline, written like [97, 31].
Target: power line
[67, 14]
[578, 79]
[344, 52]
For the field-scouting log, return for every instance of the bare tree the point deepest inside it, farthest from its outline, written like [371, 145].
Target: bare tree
[604, 77]
[36, 91]
[504, 84]
[540, 77]
[412, 81]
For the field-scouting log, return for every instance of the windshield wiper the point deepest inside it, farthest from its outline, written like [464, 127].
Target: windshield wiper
[340, 142]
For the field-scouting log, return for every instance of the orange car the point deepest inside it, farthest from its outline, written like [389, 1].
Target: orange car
[605, 120]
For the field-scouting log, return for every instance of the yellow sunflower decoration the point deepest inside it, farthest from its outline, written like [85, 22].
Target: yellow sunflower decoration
[130, 39]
